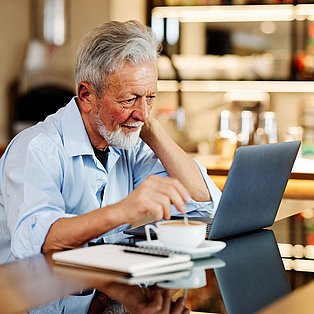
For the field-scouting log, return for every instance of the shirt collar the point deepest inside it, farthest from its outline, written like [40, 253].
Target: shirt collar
[76, 140]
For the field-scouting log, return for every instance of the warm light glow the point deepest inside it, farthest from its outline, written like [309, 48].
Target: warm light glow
[304, 12]
[298, 251]
[303, 265]
[268, 27]
[224, 86]
[168, 86]
[308, 213]
[297, 257]
[298, 265]
[287, 263]
[309, 251]
[285, 249]
[237, 13]
[234, 13]
[54, 22]
[172, 31]
[158, 27]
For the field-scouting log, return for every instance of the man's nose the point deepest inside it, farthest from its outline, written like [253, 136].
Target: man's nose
[142, 109]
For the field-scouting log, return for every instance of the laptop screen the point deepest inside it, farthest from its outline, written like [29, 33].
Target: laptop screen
[254, 188]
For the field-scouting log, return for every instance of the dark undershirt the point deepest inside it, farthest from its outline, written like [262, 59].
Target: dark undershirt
[102, 156]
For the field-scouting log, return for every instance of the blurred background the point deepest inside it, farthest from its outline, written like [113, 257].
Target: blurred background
[37, 48]
[232, 73]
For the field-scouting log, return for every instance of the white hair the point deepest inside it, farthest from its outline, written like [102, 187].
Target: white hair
[108, 47]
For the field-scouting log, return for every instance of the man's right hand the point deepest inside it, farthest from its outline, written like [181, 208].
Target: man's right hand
[153, 197]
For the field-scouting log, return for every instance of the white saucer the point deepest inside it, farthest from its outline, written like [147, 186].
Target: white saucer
[205, 249]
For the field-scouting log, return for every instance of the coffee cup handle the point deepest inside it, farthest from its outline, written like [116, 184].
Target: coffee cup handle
[147, 231]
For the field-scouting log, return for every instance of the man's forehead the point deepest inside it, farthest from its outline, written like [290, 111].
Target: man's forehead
[131, 84]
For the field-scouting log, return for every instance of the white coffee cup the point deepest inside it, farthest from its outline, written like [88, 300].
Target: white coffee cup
[177, 234]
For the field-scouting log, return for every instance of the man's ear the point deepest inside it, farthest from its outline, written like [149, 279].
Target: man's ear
[85, 95]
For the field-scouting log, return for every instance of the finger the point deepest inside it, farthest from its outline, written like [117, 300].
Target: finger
[155, 195]
[175, 197]
[161, 192]
[156, 209]
[155, 304]
[168, 182]
[172, 188]
[162, 205]
[179, 307]
[181, 189]
[166, 307]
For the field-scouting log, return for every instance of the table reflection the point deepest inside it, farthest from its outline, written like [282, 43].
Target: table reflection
[197, 275]
[131, 294]
[120, 298]
[243, 278]
[254, 275]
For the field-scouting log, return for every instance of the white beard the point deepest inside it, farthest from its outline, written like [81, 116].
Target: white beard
[117, 138]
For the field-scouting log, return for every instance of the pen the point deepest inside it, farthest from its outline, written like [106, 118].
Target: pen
[146, 253]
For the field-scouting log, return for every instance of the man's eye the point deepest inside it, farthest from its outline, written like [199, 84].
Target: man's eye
[129, 101]
[150, 99]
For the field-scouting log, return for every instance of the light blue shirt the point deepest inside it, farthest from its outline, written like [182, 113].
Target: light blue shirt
[50, 171]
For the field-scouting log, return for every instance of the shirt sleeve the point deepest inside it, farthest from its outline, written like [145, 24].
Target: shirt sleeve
[32, 198]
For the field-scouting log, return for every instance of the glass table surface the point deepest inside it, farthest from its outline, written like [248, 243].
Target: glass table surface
[250, 273]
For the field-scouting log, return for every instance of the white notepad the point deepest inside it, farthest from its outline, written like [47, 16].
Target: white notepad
[118, 259]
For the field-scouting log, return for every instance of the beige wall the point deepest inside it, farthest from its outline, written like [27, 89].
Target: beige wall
[15, 19]
[15, 32]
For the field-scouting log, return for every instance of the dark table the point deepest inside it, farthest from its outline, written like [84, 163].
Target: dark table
[246, 277]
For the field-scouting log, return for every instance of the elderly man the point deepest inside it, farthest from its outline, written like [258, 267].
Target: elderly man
[102, 162]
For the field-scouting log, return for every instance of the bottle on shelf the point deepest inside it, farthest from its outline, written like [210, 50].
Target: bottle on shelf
[225, 139]
[268, 122]
[257, 129]
[247, 124]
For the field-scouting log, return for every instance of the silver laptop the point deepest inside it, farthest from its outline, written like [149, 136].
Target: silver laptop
[253, 191]
[254, 188]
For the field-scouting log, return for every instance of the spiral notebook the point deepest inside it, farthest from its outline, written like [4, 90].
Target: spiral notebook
[206, 249]
[124, 260]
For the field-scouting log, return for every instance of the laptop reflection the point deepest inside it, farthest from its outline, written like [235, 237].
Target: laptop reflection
[254, 275]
